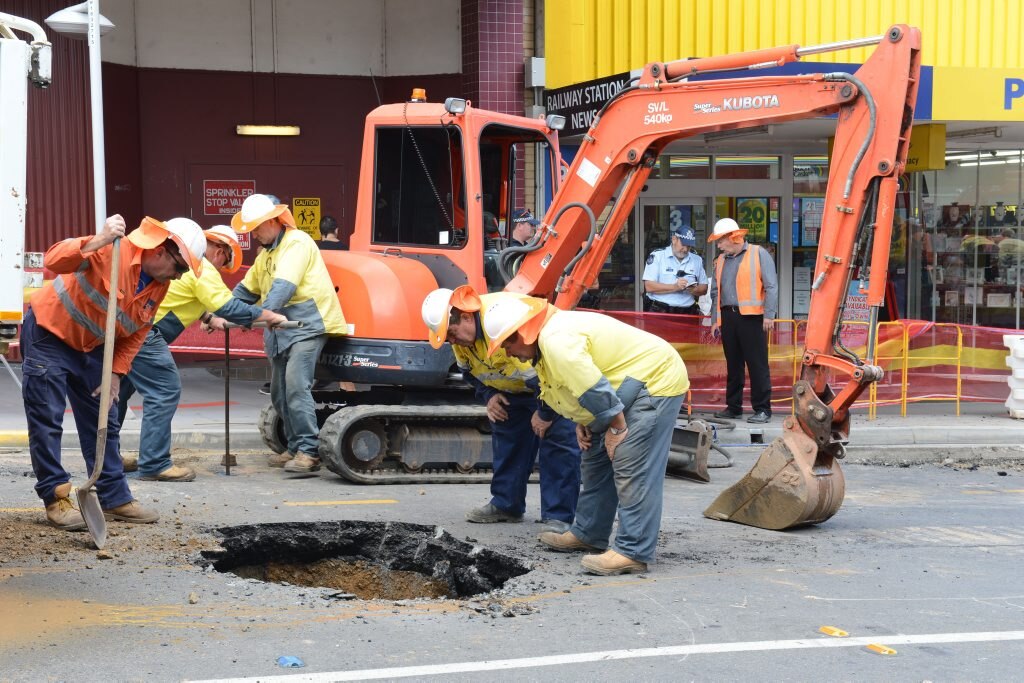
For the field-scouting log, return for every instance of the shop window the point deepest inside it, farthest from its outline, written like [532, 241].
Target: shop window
[747, 167]
[683, 167]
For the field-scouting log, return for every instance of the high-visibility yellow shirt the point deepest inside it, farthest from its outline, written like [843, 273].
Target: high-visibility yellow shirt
[500, 372]
[586, 358]
[290, 278]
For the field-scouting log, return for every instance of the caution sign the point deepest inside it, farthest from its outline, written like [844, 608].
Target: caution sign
[307, 215]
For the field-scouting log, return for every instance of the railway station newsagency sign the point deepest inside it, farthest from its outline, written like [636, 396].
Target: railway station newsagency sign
[579, 103]
[225, 197]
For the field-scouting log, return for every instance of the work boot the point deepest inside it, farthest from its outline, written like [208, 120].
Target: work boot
[610, 563]
[302, 463]
[130, 462]
[62, 512]
[728, 414]
[564, 542]
[279, 459]
[131, 512]
[760, 418]
[172, 473]
[556, 525]
[489, 514]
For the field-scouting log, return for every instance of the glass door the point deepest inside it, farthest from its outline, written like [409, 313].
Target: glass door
[658, 218]
[760, 217]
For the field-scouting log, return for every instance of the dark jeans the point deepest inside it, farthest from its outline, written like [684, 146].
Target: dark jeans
[53, 372]
[746, 345]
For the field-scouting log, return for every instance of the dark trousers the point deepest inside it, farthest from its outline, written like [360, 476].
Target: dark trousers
[746, 345]
[516, 448]
[52, 371]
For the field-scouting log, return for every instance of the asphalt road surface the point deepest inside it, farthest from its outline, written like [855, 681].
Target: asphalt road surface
[921, 562]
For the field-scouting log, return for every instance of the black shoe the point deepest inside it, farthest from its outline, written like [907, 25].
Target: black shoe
[759, 418]
[728, 415]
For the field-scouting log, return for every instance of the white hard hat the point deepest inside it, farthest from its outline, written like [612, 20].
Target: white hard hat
[435, 311]
[222, 234]
[191, 235]
[258, 208]
[506, 315]
[725, 226]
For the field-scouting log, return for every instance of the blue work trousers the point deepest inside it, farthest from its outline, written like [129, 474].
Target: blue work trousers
[633, 482]
[516, 448]
[155, 376]
[291, 382]
[53, 373]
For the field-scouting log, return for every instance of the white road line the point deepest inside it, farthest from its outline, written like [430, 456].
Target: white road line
[609, 655]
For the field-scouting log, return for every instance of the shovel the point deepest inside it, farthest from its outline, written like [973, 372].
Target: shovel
[88, 502]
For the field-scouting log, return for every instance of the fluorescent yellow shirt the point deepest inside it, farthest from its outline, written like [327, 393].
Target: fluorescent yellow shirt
[500, 372]
[189, 296]
[586, 357]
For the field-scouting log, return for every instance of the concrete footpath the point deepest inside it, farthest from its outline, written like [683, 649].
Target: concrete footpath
[931, 432]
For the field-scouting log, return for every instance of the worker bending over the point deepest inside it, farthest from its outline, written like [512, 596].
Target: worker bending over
[623, 387]
[522, 427]
[289, 277]
[154, 374]
[62, 350]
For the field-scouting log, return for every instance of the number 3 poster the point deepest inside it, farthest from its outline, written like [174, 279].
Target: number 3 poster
[753, 216]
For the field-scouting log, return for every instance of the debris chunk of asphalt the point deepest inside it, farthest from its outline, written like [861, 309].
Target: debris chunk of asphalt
[104, 555]
[193, 598]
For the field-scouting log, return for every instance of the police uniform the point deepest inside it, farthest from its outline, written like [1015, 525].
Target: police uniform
[663, 267]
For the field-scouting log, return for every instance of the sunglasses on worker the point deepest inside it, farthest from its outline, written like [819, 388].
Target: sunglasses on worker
[180, 267]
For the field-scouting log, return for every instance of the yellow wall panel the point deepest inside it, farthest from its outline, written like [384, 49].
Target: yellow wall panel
[587, 39]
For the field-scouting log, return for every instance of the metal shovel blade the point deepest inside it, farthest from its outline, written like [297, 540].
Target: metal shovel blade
[89, 505]
[792, 484]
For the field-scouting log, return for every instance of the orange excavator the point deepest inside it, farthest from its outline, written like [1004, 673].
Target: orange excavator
[435, 175]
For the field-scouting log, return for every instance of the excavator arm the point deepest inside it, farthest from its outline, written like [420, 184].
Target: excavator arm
[797, 480]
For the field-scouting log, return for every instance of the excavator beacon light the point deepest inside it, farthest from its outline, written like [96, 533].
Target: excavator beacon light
[455, 106]
[555, 121]
[418, 95]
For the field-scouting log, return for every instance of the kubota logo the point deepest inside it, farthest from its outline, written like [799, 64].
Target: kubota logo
[754, 102]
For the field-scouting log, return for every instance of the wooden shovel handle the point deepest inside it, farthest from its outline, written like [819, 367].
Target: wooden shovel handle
[108, 364]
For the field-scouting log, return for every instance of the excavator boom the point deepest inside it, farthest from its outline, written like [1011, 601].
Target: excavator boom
[797, 479]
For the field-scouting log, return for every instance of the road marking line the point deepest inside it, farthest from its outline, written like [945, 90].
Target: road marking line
[608, 655]
[35, 509]
[312, 503]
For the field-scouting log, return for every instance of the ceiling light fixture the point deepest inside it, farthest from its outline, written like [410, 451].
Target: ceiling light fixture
[253, 129]
[994, 131]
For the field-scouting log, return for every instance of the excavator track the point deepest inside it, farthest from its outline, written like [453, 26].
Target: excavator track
[408, 444]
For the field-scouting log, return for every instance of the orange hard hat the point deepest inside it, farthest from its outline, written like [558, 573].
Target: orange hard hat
[184, 232]
[222, 234]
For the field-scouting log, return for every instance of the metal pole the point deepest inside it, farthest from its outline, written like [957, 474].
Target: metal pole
[99, 177]
[227, 402]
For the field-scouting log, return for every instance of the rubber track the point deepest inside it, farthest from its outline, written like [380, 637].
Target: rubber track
[337, 424]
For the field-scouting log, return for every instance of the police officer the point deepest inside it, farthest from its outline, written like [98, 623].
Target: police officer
[674, 276]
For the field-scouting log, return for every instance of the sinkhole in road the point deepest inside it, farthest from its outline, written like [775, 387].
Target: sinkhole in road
[368, 560]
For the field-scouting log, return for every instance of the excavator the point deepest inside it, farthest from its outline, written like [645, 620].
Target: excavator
[435, 178]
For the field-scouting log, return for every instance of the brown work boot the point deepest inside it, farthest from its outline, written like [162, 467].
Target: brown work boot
[564, 542]
[62, 512]
[610, 563]
[132, 513]
[130, 462]
[280, 459]
[302, 463]
[172, 473]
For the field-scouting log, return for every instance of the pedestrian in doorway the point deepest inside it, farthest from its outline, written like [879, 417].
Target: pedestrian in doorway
[523, 429]
[289, 277]
[745, 301]
[674, 276]
[62, 351]
[329, 238]
[623, 388]
[154, 373]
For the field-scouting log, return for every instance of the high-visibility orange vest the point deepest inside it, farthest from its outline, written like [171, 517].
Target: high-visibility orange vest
[749, 287]
[74, 306]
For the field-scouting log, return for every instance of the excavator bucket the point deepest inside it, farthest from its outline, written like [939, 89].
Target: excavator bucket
[790, 485]
[688, 455]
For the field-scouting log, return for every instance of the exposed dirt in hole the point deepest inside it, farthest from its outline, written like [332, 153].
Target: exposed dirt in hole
[362, 579]
[363, 558]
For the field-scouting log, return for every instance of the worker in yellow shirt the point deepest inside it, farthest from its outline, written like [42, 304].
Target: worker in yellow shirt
[290, 278]
[623, 388]
[154, 374]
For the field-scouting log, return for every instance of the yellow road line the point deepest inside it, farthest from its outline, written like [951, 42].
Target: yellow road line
[312, 503]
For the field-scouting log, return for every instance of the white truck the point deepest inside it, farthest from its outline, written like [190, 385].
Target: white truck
[21, 62]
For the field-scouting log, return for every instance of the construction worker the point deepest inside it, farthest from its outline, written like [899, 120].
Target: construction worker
[674, 277]
[154, 373]
[522, 428]
[745, 299]
[289, 277]
[623, 388]
[62, 350]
